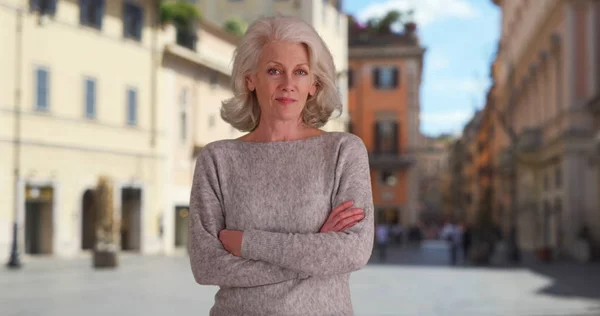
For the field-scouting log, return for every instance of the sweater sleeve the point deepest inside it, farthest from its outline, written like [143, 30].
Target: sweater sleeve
[322, 254]
[211, 264]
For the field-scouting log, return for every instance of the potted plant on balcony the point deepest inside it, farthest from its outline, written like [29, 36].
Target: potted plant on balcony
[184, 16]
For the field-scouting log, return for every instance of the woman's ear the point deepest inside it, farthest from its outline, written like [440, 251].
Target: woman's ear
[250, 83]
[313, 89]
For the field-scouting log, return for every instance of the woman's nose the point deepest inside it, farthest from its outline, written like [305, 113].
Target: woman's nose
[287, 84]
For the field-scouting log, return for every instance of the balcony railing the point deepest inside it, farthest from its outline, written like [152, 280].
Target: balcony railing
[391, 161]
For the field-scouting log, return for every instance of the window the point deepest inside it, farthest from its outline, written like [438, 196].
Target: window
[90, 98]
[386, 137]
[132, 106]
[388, 178]
[350, 78]
[325, 4]
[43, 6]
[183, 101]
[558, 178]
[133, 21]
[385, 77]
[42, 90]
[91, 13]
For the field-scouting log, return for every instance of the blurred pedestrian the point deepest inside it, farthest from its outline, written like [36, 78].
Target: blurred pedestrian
[398, 233]
[382, 237]
[261, 225]
[467, 236]
[451, 233]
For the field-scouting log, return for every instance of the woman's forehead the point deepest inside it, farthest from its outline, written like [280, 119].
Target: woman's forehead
[280, 52]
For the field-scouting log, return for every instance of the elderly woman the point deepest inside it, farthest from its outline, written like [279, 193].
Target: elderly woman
[281, 216]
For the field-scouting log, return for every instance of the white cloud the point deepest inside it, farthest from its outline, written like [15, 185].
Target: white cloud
[426, 11]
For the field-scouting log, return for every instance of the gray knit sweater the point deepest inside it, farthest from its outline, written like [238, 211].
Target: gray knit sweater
[280, 194]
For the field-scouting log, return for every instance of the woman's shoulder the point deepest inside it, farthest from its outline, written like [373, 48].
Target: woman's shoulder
[216, 149]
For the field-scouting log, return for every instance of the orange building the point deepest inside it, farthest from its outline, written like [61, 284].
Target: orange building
[384, 83]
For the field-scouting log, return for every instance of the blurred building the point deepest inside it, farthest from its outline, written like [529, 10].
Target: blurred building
[470, 174]
[546, 86]
[384, 84]
[432, 168]
[484, 167]
[453, 189]
[325, 16]
[97, 88]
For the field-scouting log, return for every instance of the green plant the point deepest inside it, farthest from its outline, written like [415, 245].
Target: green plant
[182, 14]
[384, 25]
[235, 26]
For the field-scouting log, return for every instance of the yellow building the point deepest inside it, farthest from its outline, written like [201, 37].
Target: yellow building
[325, 16]
[100, 90]
[194, 83]
[546, 79]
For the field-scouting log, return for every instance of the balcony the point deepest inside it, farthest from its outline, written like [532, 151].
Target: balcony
[391, 161]
[530, 140]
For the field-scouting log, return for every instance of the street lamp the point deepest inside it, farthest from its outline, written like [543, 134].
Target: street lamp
[14, 262]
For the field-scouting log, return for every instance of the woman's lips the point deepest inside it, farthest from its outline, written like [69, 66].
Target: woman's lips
[285, 100]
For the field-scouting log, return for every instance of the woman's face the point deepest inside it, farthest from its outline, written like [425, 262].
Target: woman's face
[282, 81]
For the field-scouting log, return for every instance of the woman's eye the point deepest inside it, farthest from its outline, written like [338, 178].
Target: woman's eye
[302, 72]
[273, 71]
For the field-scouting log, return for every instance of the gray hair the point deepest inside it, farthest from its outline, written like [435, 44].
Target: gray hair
[242, 111]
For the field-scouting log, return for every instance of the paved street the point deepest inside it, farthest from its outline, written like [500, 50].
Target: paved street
[419, 282]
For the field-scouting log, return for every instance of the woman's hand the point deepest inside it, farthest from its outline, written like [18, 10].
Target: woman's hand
[342, 217]
[232, 241]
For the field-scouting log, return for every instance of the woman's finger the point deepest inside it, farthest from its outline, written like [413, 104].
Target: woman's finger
[349, 226]
[348, 220]
[330, 222]
[340, 208]
[350, 212]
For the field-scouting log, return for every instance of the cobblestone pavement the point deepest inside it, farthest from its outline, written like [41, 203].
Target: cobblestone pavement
[412, 282]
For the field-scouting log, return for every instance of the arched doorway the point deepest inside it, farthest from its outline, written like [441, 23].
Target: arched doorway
[88, 221]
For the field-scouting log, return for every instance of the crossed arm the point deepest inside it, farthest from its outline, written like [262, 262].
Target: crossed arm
[267, 257]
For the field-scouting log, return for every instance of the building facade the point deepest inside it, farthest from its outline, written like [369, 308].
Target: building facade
[432, 167]
[92, 89]
[384, 103]
[325, 16]
[546, 79]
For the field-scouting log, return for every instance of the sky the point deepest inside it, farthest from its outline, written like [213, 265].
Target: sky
[460, 38]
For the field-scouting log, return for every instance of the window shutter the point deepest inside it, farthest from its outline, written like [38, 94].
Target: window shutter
[376, 77]
[126, 19]
[51, 9]
[83, 7]
[377, 138]
[140, 23]
[395, 77]
[99, 13]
